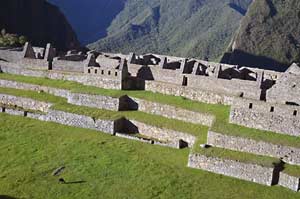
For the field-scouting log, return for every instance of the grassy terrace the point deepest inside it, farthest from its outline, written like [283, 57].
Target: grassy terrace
[239, 156]
[105, 166]
[155, 120]
[221, 112]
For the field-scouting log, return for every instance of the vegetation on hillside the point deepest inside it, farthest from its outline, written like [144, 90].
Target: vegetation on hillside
[190, 28]
[11, 40]
[268, 36]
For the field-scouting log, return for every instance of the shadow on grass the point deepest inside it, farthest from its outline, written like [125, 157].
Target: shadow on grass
[6, 197]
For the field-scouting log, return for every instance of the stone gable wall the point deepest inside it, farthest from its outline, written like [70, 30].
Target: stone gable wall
[286, 153]
[249, 172]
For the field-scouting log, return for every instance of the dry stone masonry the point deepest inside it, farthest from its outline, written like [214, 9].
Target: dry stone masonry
[260, 99]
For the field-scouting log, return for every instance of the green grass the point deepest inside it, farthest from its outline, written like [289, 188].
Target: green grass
[221, 112]
[292, 170]
[110, 167]
[155, 120]
[238, 156]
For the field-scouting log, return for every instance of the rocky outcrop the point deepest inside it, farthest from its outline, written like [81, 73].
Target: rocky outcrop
[268, 36]
[38, 20]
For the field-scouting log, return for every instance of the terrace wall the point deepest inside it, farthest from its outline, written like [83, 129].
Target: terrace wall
[286, 153]
[166, 135]
[250, 172]
[174, 112]
[289, 182]
[188, 92]
[24, 102]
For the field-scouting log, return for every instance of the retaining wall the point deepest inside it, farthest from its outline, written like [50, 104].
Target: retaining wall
[174, 112]
[289, 182]
[286, 153]
[250, 172]
[165, 135]
[188, 92]
[96, 101]
[24, 102]
[86, 79]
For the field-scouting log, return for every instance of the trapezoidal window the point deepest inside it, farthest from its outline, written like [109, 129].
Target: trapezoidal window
[250, 106]
[295, 113]
[272, 109]
[185, 81]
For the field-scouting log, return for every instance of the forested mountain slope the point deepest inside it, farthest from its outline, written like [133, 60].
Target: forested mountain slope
[269, 35]
[190, 28]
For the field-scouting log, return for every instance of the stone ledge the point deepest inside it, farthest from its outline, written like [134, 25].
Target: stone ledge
[286, 153]
[249, 172]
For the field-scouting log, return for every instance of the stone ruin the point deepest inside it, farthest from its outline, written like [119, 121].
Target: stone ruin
[261, 99]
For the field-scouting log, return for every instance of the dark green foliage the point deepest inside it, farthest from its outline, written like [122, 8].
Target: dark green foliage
[11, 40]
[190, 28]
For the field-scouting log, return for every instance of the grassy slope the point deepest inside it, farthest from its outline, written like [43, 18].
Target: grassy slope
[221, 112]
[111, 167]
[189, 28]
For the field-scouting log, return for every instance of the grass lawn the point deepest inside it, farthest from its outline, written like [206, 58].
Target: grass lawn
[155, 120]
[221, 112]
[106, 166]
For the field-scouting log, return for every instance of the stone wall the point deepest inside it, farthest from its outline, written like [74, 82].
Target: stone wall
[81, 121]
[86, 79]
[188, 92]
[286, 90]
[34, 87]
[286, 153]
[96, 101]
[289, 182]
[236, 87]
[249, 172]
[282, 119]
[174, 112]
[165, 135]
[10, 55]
[24, 103]
[64, 65]
[34, 63]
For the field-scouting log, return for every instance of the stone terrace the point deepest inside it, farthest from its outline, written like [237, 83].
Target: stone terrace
[259, 99]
